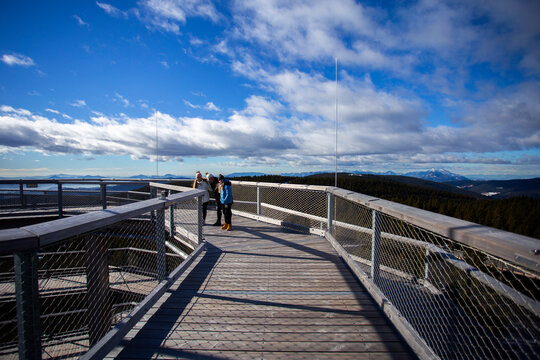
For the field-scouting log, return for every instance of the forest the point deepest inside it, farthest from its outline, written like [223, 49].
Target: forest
[520, 215]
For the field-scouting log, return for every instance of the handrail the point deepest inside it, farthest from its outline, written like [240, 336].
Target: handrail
[517, 249]
[38, 235]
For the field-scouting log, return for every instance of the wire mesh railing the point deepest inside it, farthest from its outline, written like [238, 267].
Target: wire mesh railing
[459, 290]
[64, 284]
[68, 197]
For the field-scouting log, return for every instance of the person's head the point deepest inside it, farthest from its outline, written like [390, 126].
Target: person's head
[209, 177]
[198, 176]
[221, 178]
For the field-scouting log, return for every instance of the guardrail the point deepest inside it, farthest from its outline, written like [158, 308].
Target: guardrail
[65, 284]
[454, 289]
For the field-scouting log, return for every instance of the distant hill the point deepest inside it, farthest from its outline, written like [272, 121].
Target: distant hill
[437, 175]
[501, 189]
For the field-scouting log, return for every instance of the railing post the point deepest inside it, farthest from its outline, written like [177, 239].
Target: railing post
[330, 212]
[376, 247]
[199, 219]
[426, 265]
[27, 299]
[21, 195]
[97, 288]
[171, 219]
[103, 195]
[60, 205]
[160, 241]
[258, 200]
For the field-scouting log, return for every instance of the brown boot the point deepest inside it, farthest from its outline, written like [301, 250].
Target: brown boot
[224, 227]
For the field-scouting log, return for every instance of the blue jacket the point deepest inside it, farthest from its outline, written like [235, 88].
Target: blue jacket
[226, 193]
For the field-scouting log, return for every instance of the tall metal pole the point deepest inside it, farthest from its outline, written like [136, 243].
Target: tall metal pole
[157, 151]
[336, 183]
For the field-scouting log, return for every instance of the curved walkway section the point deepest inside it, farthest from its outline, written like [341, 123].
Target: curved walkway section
[262, 292]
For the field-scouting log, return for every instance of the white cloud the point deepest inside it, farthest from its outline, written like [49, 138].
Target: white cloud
[119, 98]
[17, 60]
[211, 106]
[166, 15]
[80, 21]
[79, 103]
[111, 10]
[242, 134]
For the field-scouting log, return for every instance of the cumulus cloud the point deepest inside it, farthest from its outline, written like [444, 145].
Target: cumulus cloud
[166, 15]
[245, 133]
[14, 59]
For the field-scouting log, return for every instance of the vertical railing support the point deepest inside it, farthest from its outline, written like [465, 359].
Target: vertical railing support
[376, 247]
[171, 219]
[330, 212]
[103, 195]
[27, 298]
[199, 219]
[60, 205]
[97, 288]
[259, 200]
[21, 195]
[160, 241]
[426, 265]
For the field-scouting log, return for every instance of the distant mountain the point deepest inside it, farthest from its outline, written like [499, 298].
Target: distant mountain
[437, 175]
[501, 189]
[235, 175]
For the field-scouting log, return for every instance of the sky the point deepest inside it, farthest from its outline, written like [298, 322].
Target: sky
[155, 87]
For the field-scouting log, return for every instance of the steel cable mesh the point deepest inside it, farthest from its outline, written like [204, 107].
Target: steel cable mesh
[90, 282]
[245, 198]
[464, 303]
[184, 234]
[9, 200]
[306, 208]
[8, 307]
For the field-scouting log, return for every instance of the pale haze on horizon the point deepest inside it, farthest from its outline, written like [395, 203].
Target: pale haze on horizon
[105, 87]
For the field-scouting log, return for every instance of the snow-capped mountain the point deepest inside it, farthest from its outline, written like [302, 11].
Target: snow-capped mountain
[437, 175]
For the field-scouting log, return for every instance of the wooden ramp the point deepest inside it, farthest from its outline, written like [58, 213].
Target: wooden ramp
[262, 292]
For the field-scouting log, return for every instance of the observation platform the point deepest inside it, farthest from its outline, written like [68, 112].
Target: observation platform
[263, 292]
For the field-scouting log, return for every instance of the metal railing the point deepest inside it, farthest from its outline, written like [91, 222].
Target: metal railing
[67, 283]
[454, 289]
[67, 196]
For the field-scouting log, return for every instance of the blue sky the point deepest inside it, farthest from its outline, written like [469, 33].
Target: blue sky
[249, 86]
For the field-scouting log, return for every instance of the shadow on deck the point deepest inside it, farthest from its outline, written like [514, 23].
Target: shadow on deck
[262, 292]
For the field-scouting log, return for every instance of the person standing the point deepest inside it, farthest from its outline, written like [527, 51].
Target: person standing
[226, 198]
[214, 184]
[202, 184]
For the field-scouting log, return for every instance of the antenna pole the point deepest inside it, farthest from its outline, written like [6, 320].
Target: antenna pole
[157, 147]
[336, 182]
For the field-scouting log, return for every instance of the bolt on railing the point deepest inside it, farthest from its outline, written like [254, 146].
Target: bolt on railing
[66, 283]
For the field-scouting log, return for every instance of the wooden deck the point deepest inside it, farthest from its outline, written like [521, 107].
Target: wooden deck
[262, 292]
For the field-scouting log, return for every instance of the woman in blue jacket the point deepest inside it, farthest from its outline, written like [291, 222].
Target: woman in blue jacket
[226, 198]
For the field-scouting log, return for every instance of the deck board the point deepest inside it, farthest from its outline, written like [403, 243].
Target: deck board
[263, 292]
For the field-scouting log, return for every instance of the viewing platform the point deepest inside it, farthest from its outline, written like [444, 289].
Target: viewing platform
[262, 292]
[307, 272]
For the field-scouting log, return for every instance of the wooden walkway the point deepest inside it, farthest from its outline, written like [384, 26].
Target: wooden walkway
[262, 292]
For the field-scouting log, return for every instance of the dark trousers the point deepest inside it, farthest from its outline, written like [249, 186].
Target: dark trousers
[227, 212]
[204, 210]
[219, 210]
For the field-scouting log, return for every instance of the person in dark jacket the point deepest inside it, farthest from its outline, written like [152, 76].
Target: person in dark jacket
[226, 198]
[213, 181]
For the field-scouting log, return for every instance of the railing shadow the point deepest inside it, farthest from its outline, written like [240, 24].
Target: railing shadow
[179, 298]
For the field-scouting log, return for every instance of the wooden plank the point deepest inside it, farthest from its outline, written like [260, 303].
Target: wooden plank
[259, 292]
